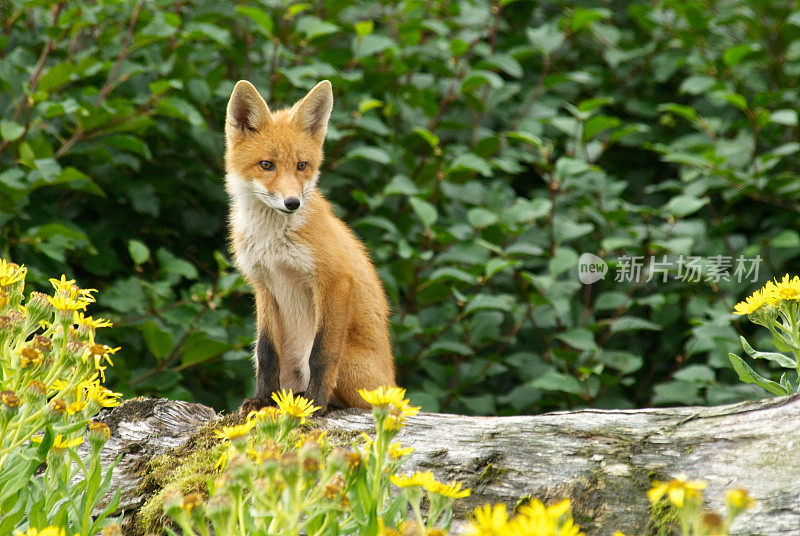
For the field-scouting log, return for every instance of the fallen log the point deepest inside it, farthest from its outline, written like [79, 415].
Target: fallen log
[603, 460]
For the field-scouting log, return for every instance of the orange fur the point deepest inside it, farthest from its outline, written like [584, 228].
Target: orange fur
[318, 295]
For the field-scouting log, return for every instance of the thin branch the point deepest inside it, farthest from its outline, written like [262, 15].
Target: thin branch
[112, 76]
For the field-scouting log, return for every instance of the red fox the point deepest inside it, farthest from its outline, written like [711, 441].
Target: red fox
[322, 315]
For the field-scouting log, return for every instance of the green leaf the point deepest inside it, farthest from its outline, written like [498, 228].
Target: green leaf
[775, 357]
[748, 375]
[480, 217]
[557, 381]
[313, 27]
[199, 348]
[427, 135]
[180, 109]
[364, 27]
[445, 346]
[257, 15]
[376, 154]
[737, 53]
[579, 338]
[471, 162]
[158, 341]
[482, 301]
[633, 323]
[373, 44]
[564, 259]
[139, 252]
[786, 239]
[425, 211]
[11, 131]
[683, 205]
[784, 117]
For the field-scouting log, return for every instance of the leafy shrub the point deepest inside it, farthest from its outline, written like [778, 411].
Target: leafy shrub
[478, 148]
[51, 371]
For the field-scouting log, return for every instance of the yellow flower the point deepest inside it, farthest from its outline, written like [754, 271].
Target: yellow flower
[738, 499]
[11, 273]
[105, 398]
[452, 490]
[47, 531]
[396, 451]
[489, 520]
[265, 414]
[296, 406]
[99, 352]
[76, 407]
[398, 411]
[68, 297]
[235, 432]
[66, 304]
[59, 444]
[787, 289]
[753, 302]
[383, 396]
[678, 490]
[88, 325]
[417, 479]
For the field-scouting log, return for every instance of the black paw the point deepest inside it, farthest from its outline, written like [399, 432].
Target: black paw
[254, 404]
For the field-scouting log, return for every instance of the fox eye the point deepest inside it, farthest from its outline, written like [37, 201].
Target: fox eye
[302, 165]
[267, 165]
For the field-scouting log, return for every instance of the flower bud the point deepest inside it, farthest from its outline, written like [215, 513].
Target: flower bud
[192, 503]
[42, 343]
[333, 487]
[220, 509]
[10, 404]
[36, 391]
[173, 500]
[97, 434]
[56, 410]
[39, 308]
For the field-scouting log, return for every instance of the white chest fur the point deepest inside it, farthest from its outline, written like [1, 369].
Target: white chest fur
[267, 254]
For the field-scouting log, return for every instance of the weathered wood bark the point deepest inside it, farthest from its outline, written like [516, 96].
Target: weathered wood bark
[603, 460]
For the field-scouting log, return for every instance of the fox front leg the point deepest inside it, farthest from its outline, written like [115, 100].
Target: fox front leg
[267, 375]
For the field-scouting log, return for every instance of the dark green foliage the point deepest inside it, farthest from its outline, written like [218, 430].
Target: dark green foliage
[477, 148]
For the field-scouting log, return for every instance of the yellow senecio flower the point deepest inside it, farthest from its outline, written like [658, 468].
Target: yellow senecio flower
[738, 499]
[787, 289]
[678, 490]
[59, 444]
[11, 273]
[47, 531]
[296, 406]
[417, 479]
[752, 303]
[383, 396]
[489, 520]
[235, 432]
[103, 396]
[396, 451]
[452, 490]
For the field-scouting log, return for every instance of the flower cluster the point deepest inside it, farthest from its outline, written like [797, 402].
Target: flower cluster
[686, 496]
[770, 295]
[533, 518]
[51, 385]
[277, 476]
[776, 306]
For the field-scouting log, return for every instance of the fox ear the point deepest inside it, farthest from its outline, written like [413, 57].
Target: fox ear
[314, 110]
[247, 111]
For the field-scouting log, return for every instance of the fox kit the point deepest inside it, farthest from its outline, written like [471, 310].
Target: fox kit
[322, 315]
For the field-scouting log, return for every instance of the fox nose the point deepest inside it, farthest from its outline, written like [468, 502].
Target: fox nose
[292, 203]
